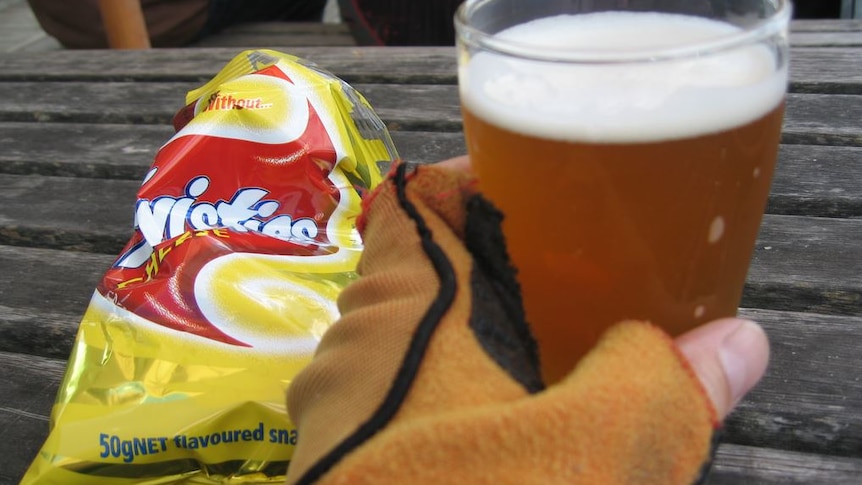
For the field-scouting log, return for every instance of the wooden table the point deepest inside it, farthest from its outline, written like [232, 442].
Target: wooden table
[79, 129]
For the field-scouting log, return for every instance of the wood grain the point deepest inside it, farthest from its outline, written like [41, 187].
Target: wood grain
[118, 151]
[813, 69]
[768, 416]
[78, 130]
[811, 119]
[745, 465]
[811, 397]
[29, 384]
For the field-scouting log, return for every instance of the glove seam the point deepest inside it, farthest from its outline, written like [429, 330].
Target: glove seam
[409, 368]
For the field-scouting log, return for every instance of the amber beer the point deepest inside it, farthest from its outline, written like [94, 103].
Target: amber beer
[630, 191]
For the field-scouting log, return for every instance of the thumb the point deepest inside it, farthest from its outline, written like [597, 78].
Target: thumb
[729, 357]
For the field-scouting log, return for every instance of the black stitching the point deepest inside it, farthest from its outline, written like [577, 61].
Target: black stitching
[418, 345]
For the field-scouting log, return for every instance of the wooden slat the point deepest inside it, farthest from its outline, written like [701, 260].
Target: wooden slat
[819, 119]
[817, 181]
[826, 39]
[67, 211]
[92, 215]
[813, 119]
[826, 25]
[744, 465]
[355, 65]
[46, 331]
[810, 180]
[829, 419]
[410, 107]
[805, 348]
[799, 264]
[29, 385]
[811, 397]
[126, 151]
[827, 70]
[806, 264]
[80, 150]
[128, 103]
[44, 294]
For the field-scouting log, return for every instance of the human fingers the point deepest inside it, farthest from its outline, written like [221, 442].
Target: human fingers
[458, 163]
[729, 357]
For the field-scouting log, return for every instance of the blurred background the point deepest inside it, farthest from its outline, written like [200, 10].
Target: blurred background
[352, 22]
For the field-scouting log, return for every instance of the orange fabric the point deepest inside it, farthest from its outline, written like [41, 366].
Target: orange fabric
[631, 412]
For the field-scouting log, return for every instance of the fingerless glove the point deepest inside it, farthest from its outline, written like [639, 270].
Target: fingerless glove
[431, 375]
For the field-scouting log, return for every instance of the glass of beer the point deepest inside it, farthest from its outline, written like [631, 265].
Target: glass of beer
[630, 146]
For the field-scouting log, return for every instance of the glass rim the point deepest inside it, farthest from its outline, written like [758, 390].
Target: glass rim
[749, 35]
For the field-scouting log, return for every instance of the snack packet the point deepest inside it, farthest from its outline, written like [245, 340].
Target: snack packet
[244, 236]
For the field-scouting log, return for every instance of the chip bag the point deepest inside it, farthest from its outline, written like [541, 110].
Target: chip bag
[244, 236]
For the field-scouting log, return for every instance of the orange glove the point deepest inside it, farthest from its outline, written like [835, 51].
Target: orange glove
[431, 374]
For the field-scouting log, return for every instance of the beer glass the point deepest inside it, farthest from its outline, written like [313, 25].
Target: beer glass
[630, 146]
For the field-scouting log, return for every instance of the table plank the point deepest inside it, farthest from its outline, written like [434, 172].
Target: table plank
[810, 180]
[826, 39]
[772, 415]
[74, 212]
[813, 119]
[44, 295]
[403, 107]
[799, 264]
[837, 71]
[811, 397]
[93, 215]
[79, 149]
[826, 25]
[29, 386]
[812, 69]
[397, 65]
[806, 264]
[745, 465]
[829, 419]
[126, 151]
[820, 119]
[817, 181]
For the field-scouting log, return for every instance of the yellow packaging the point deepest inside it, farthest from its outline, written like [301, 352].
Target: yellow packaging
[244, 235]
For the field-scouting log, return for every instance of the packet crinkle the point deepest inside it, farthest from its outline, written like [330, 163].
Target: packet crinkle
[244, 235]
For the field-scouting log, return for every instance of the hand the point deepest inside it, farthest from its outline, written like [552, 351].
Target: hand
[729, 355]
[431, 375]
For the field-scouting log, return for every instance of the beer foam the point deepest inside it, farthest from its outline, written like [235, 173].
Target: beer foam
[628, 102]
